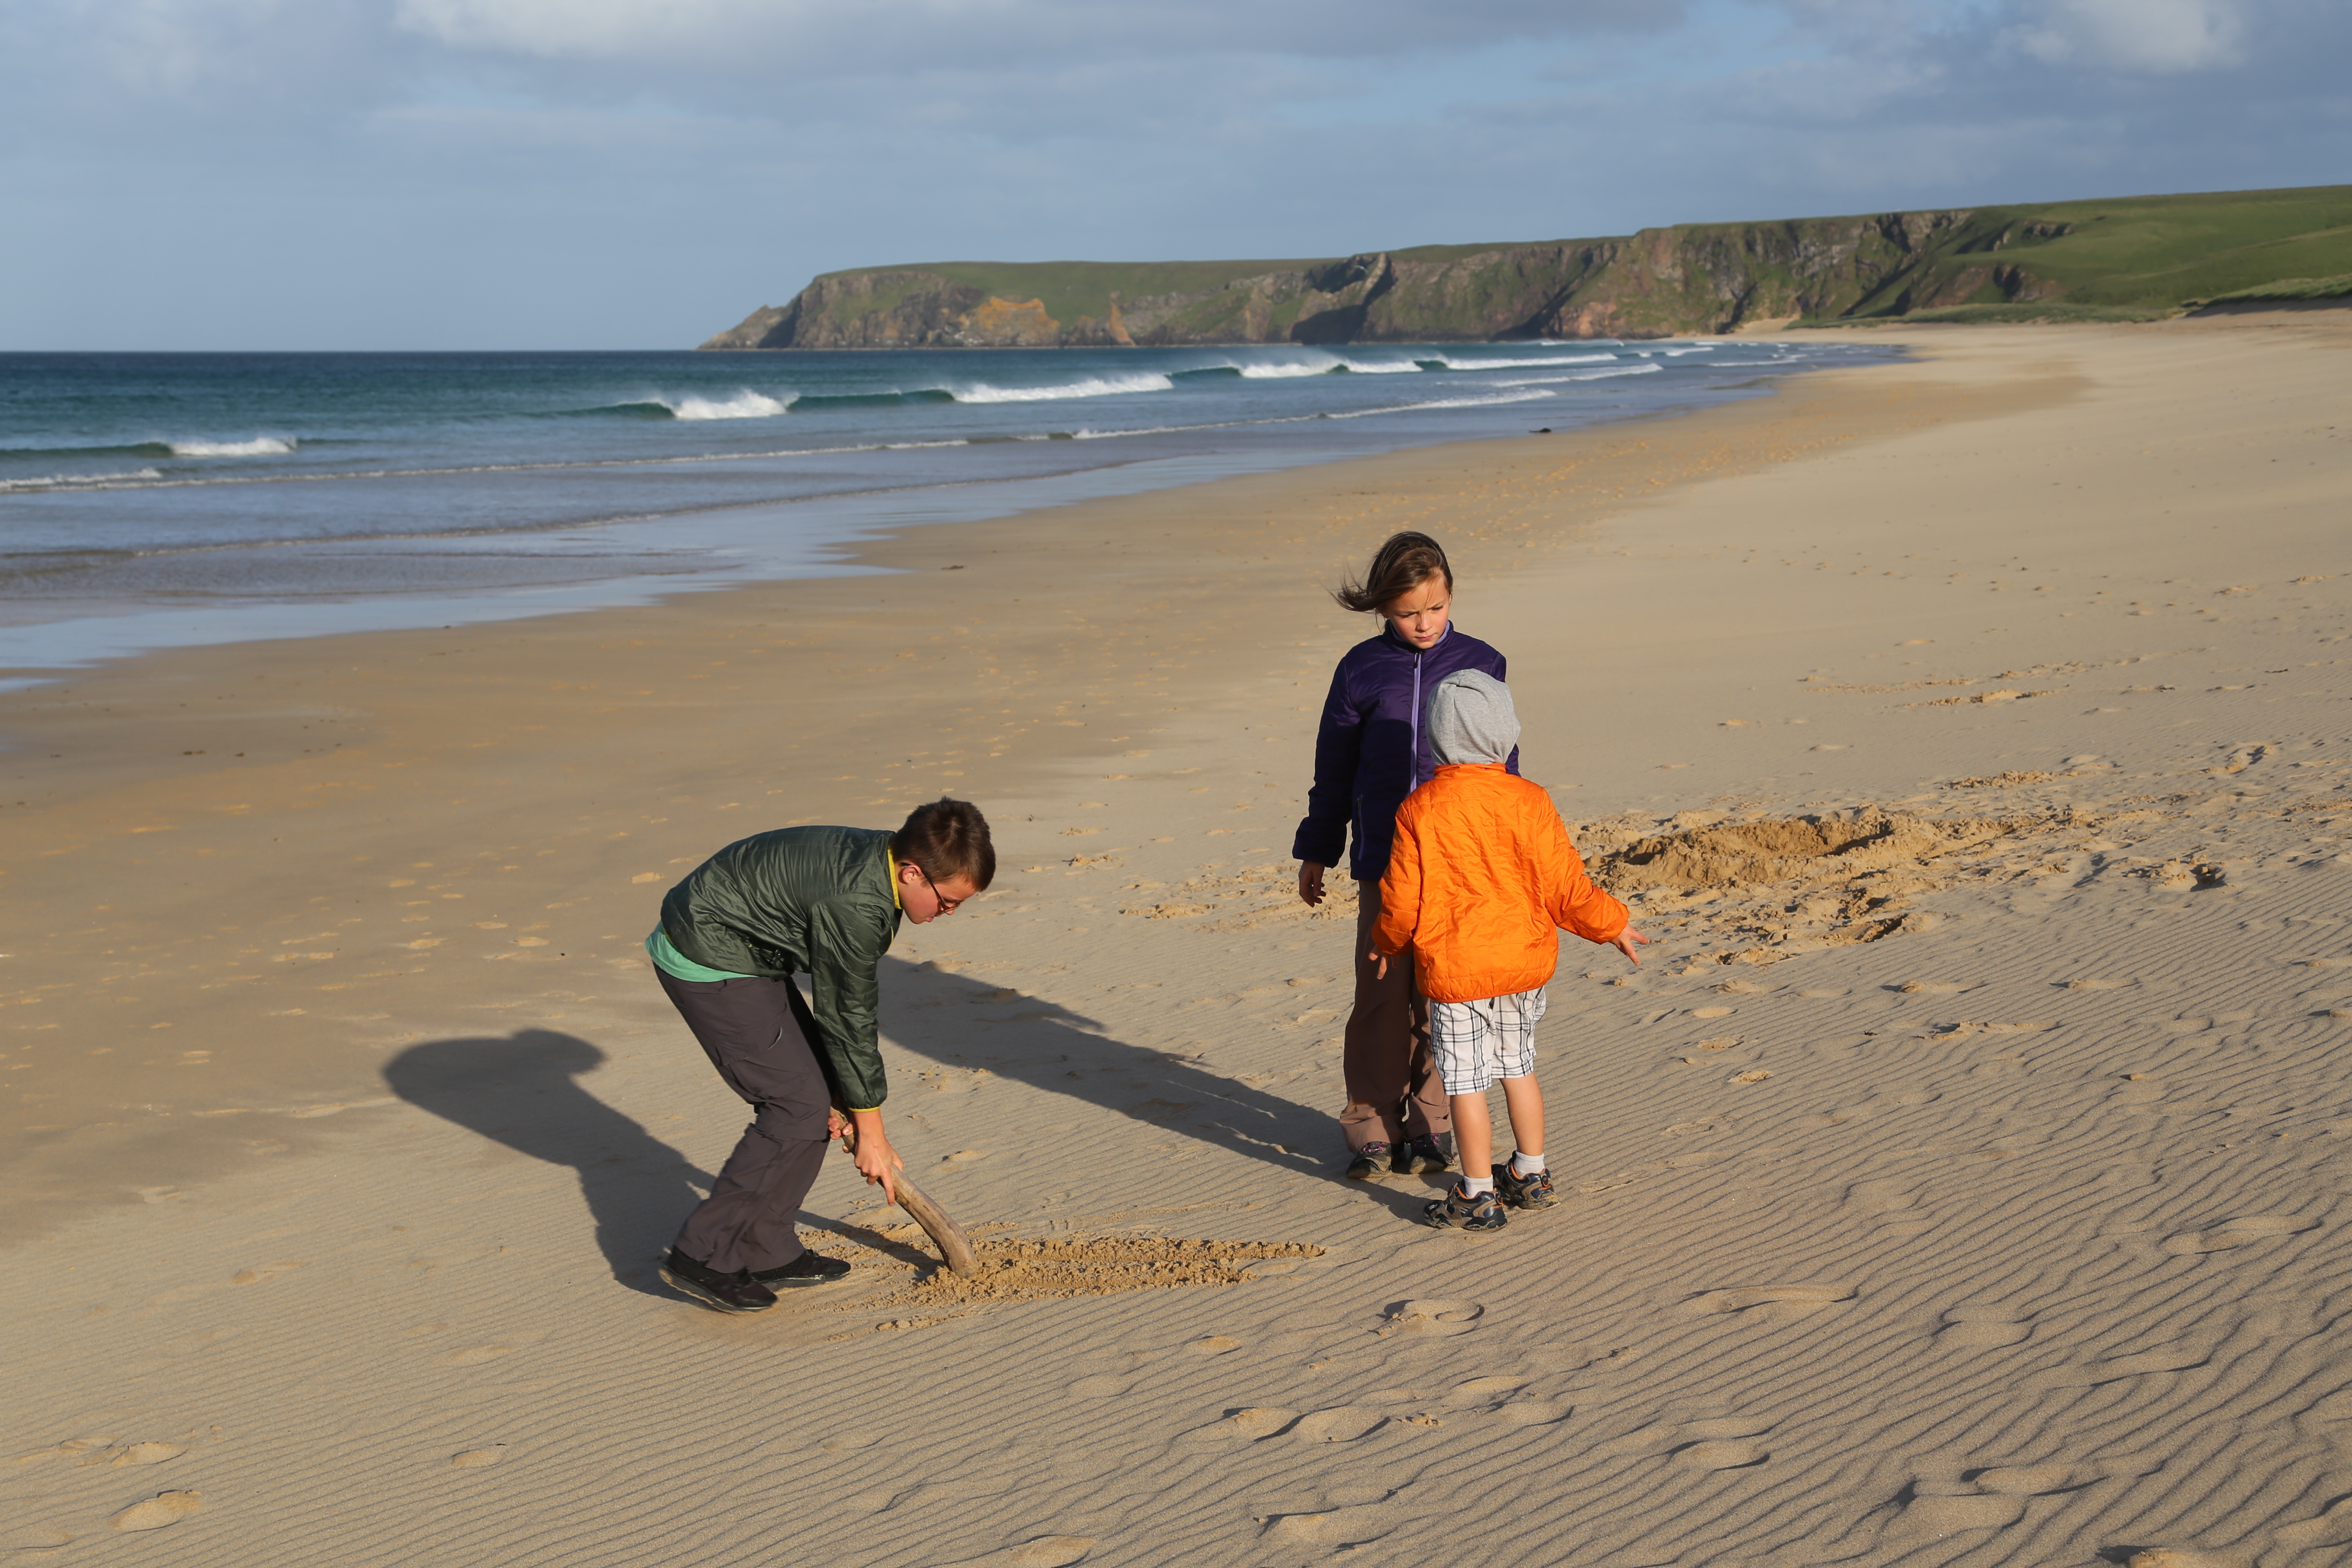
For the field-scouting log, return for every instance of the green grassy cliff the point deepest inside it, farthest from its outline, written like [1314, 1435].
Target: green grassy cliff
[2135, 257]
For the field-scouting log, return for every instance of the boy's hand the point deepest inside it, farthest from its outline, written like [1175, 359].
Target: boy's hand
[877, 1161]
[1624, 943]
[835, 1123]
[1310, 883]
[1380, 964]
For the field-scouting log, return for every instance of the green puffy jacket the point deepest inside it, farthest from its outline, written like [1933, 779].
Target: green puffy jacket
[812, 900]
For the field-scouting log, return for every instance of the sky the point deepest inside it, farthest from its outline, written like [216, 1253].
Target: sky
[250, 174]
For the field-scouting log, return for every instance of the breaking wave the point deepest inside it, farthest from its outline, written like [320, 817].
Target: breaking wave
[745, 405]
[1447, 362]
[1092, 386]
[259, 446]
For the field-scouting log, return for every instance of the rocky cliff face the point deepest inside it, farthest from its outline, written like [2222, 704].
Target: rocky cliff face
[1663, 282]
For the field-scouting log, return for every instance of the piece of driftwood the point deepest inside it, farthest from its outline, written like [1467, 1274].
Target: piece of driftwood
[944, 1232]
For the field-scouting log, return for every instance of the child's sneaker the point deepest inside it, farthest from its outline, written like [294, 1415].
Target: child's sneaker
[1421, 1157]
[1529, 1192]
[1458, 1210]
[1370, 1164]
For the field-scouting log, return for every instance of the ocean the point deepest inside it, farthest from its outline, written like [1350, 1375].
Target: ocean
[157, 500]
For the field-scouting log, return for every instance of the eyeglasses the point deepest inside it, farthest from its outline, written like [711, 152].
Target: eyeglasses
[947, 906]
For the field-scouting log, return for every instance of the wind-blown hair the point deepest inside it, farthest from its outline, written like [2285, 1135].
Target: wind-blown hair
[947, 838]
[1404, 562]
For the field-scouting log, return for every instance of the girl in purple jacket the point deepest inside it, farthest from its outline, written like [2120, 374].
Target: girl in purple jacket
[1372, 751]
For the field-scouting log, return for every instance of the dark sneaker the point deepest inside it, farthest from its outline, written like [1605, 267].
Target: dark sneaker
[1533, 1192]
[808, 1268]
[1421, 1157]
[720, 1292]
[1370, 1164]
[1457, 1210]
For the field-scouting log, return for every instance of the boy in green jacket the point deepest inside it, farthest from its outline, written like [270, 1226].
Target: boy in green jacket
[823, 901]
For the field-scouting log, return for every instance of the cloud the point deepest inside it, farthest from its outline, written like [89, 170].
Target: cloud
[723, 37]
[2159, 37]
[567, 173]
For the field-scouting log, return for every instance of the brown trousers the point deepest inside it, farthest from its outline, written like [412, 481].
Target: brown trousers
[1393, 1090]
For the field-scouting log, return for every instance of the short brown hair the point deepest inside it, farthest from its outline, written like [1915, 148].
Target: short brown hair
[947, 838]
[1404, 562]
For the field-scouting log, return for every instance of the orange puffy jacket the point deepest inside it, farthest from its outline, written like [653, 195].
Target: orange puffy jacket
[1481, 875]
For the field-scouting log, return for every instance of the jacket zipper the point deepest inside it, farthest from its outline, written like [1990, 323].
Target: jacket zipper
[1412, 769]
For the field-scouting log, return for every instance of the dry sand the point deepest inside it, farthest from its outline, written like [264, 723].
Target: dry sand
[1957, 1183]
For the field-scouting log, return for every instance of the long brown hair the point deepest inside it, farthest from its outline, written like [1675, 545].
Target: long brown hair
[1404, 562]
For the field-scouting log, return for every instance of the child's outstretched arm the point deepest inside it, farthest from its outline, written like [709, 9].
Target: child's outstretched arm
[1578, 906]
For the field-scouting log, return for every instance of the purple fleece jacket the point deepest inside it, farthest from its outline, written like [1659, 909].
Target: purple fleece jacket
[1373, 748]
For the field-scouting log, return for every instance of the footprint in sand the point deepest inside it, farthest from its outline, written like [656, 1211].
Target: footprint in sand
[1983, 1328]
[1771, 1303]
[2027, 1481]
[147, 1454]
[261, 1271]
[478, 1459]
[2235, 1233]
[2115, 1369]
[1535, 1412]
[1347, 1525]
[1340, 1424]
[1045, 1552]
[1884, 1196]
[1432, 1318]
[1488, 1392]
[1667, 1437]
[163, 1508]
[1935, 1510]
[1244, 1425]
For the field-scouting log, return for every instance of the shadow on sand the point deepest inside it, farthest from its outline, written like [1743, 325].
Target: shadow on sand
[522, 1090]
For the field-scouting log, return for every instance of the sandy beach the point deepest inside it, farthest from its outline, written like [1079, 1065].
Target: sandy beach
[1960, 1180]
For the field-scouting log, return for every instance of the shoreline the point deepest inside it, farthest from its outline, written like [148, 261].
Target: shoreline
[116, 753]
[1877, 1171]
[423, 577]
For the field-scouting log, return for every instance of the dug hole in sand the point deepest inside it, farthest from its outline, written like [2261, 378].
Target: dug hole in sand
[1959, 1181]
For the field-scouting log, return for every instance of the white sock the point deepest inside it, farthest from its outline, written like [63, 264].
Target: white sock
[1478, 1186]
[1526, 1165]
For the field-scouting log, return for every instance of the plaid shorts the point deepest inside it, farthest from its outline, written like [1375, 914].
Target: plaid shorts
[1477, 1042]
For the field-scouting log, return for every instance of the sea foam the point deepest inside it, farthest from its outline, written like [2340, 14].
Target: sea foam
[1446, 361]
[744, 404]
[259, 446]
[1093, 387]
[1526, 396]
[77, 481]
[1581, 375]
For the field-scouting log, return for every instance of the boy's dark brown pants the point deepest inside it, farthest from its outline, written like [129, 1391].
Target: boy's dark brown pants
[756, 1034]
[1393, 1090]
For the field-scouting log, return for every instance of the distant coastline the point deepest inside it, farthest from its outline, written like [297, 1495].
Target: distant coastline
[2131, 259]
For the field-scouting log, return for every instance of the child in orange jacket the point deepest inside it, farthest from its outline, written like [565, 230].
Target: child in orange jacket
[1481, 876]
